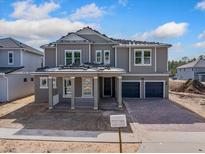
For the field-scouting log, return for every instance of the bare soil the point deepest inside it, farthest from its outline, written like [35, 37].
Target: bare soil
[24, 113]
[189, 86]
[20, 146]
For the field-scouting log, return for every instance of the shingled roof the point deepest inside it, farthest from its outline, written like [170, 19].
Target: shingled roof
[9, 43]
[120, 42]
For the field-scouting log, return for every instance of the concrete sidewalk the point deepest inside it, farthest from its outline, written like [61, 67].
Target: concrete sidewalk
[66, 135]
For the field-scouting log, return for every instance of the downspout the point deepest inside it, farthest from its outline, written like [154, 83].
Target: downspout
[7, 86]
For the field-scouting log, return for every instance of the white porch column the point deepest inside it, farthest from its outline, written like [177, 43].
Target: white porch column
[95, 89]
[120, 92]
[130, 59]
[50, 92]
[72, 93]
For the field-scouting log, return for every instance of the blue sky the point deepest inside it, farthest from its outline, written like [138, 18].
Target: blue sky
[178, 22]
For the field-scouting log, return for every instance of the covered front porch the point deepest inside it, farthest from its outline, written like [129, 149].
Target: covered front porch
[96, 89]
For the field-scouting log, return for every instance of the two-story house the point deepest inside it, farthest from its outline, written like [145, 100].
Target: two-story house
[87, 68]
[17, 60]
[194, 70]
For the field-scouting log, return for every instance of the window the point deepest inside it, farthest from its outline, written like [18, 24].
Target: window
[43, 82]
[67, 88]
[98, 56]
[72, 57]
[106, 56]
[87, 87]
[10, 57]
[142, 57]
[54, 83]
[25, 80]
[31, 79]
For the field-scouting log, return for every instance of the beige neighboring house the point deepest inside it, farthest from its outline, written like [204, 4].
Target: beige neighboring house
[87, 69]
[17, 60]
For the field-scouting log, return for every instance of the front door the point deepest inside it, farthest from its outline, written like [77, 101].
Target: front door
[107, 82]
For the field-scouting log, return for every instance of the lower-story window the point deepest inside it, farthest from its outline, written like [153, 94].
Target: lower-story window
[87, 84]
[43, 82]
[67, 87]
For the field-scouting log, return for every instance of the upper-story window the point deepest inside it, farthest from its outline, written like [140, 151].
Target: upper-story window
[72, 57]
[10, 57]
[106, 56]
[98, 56]
[142, 57]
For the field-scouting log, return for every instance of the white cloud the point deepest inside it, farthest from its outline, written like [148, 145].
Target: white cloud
[165, 31]
[35, 26]
[123, 2]
[202, 35]
[200, 44]
[177, 47]
[88, 11]
[201, 5]
[29, 10]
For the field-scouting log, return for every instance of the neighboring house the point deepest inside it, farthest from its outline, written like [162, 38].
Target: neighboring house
[16, 61]
[194, 70]
[87, 68]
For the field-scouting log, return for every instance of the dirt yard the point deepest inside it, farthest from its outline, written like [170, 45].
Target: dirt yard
[24, 113]
[14, 146]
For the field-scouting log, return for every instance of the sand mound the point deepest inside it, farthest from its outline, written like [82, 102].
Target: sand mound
[190, 86]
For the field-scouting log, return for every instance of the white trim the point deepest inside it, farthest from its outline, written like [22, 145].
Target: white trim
[84, 96]
[66, 96]
[54, 85]
[56, 56]
[41, 86]
[109, 56]
[73, 51]
[12, 58]
[100, 51]
[89, 50]
[142, 57]
[115, 56]
[140, 81]
[145, 74]
[155, 81]
[103, 87]
[155, 59]
[167, 61]
[126, 46]
[21, 56]
[129, 59]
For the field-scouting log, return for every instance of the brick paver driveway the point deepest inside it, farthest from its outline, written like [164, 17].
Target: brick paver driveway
[163, 115]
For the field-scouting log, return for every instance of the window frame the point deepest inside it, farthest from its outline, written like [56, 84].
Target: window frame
[91, 94]
[54, 83]
[104, 57]
[10, 52]
[41, 86]
[101, 57]
[68, 95]
[73, 53]
[142, 57]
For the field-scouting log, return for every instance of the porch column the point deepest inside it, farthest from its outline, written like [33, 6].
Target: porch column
[50, 92]
[72, 93]
[95, 89]
[120, 92]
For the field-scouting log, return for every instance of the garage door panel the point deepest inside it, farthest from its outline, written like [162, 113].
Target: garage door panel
[131, 89]
[154, 89]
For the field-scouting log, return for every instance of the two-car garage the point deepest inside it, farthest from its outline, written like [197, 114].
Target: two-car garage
[151, 89]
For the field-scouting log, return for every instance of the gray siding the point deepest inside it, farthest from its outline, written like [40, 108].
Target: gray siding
[50, 57]
[123, 58]
[31, 61]
[4, 58]
[162, 59]
[185, 73]
[17, 88]
[61, 52]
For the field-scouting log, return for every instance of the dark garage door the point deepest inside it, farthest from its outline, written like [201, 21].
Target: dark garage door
[154, 89]
[131, 89]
